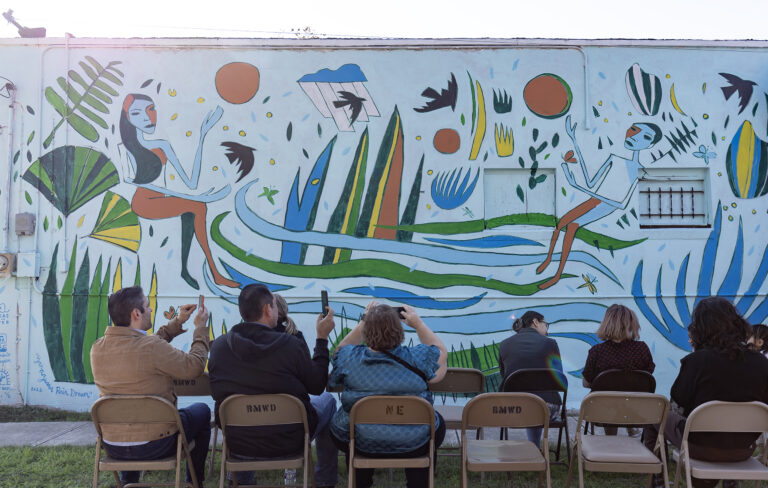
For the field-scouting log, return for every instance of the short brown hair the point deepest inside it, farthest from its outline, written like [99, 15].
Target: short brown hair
[121, 304]
[382, 330]
[619, 324]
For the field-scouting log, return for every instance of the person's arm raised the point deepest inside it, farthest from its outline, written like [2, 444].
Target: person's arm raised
[428, 338]
[355, 336]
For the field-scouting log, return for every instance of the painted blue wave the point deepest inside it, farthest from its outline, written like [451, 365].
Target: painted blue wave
[412, 299]
[425, 251]
[247, 280]
[489, 242]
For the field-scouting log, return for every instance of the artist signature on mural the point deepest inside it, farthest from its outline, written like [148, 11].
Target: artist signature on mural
[5, 313]
[43, 375]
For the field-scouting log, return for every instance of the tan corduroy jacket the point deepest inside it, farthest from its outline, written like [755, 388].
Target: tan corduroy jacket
[127, 362]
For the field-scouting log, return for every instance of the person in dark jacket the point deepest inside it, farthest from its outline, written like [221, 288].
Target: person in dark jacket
[721, 367]
[530, 348]
[255, 358]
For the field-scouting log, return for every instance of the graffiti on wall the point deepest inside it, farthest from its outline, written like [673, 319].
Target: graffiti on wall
[335, 172]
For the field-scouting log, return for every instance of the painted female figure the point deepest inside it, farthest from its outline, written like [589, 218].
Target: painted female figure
[148, 158]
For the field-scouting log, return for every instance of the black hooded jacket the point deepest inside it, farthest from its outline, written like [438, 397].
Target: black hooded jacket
[254, 359]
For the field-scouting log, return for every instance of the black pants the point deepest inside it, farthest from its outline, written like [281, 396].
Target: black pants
[415, 477]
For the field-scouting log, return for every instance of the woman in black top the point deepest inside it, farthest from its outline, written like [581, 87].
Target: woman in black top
[721, 367]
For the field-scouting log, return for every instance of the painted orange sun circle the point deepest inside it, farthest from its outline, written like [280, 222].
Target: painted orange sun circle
[237, 82]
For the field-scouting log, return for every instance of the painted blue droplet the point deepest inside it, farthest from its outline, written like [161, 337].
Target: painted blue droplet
[224, 172]
[491, 72]
[671, 265]
[594, 130]
[26, 261]
[325, 205]
[2, 289]
[573, 197]
[653, 347]
[288, 93]
[751, 250]
[253, 116]
[672, 362]
[34, 321]
[661, 248]
[226, 310]
[128, 260]
[757, 228]
[519, 271]
[626, 258]
[237, 231]
[514, 65]
[615, 107]
[570, 288]
[489, 277]
[277, 211]
[170, 253]
[263, 138]
[305, 118]
[604, 226]
[601, 74]
[346, 151]
[492, 304]
[82, 245]
[309, 285]
[434, 214]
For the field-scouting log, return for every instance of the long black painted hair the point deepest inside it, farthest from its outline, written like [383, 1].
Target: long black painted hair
[526, 320]
[717, 325]
[148, 164]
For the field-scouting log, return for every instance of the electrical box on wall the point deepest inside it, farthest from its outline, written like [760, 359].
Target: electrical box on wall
[7, 264]
[27, 265]
[25, 224]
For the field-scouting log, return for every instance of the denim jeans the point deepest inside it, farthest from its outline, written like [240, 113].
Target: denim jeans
[326, 468]
[196, 421]
[534, 433]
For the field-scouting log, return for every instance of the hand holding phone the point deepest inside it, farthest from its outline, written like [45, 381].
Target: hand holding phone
[400, 311]
[201, 302]
[324, 302]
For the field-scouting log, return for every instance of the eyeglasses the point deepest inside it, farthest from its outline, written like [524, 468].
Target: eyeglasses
[545, 323]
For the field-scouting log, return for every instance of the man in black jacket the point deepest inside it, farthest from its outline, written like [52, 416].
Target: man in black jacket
[254, 358]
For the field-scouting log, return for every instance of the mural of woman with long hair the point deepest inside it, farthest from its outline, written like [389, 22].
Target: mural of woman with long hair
[152, 200]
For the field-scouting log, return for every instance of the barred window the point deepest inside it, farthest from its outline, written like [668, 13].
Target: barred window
[673, 201]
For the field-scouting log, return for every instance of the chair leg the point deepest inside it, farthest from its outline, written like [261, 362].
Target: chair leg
[96, 464]
[117, 479]
[567, 436]
[223, 473]
[570, 471]
[178, 461]
[213, 449]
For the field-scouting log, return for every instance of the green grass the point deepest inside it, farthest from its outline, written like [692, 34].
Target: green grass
[72, 466]
[40, 414]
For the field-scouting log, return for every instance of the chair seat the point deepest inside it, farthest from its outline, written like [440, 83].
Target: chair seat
[369, 462]
[750, 469]
[495, 455]
[252, 465]
[616, 449]
[451, 414]
[107, 463]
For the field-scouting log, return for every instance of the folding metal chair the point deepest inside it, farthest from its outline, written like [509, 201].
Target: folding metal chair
[262, 410]
[118, 411]
[513, 410]
[394, 410]
[540, 380]
[719, 416]
[457, 381]
[622, 380]
[620, 454]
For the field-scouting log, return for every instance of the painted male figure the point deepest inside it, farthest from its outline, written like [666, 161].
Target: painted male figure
[127, 361]
[609, 189]
[255, 358]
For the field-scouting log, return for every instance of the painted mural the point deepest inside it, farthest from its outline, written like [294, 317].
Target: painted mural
[471, 184]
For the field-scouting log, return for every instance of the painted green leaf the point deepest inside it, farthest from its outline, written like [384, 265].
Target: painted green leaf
[45, 224]
[555, 140]
[164, 242]
[289, 131]
[27, 197]
[117, 224]
[521, 162]
[546, 156]
[104, 321]
[409, 214]
[531, 182]
[59, 222]
[535, 134]
[137, 276]
[562, 189]
[266, 99]
[541, 147]
[463, 120]
[714, 138]
[16, 156]
[15, 175]
[56, 101]
[92, 320]
[70, 176]
[51, 317]
[79, 316]
[31, 136]
[319, 130]
[65, 307]
[523, 121]
[520, 194]
[541, 178]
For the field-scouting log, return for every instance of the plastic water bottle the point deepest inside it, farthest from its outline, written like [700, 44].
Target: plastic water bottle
[290, 477]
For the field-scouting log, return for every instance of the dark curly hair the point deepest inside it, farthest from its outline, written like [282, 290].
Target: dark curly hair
[382, 330]
[717, 325]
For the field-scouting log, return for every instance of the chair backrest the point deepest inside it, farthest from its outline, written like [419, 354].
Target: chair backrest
[624, 380]
[200, 386]
[624, 408]
[514, 410]
[536, 379]
[460, 380]
[256, 410]
[395, 410]
[122, 410]
[717, 416]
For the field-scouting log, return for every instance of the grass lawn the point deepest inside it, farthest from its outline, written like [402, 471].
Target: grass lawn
[40, 414]
[72, 466]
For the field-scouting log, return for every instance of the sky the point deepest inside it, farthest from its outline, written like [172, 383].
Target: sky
[586, 19]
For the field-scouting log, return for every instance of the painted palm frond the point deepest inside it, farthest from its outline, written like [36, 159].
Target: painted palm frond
[117, 224]
[674, 328]
[52, 323]
[70, 176]
[85, 97]
[448, 193]
[301, 211]
[409, 214]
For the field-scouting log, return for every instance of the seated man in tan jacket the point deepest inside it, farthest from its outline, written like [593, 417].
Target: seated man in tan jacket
[127, 361]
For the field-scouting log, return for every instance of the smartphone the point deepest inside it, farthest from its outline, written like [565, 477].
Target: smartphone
[324, 302]
[400, 311]
[200, 302]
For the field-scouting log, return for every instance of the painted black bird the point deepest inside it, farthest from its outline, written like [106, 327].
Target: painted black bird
[743, 87]
[446, 97]
[355, 104]
[241, 155]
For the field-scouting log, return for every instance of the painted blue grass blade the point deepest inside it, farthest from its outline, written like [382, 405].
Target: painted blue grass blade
[666, 317]
[704, 288]
[587, 337]
[732, 279]
[760, 313]
[681, 301]
[757, 282]
[650, 316]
